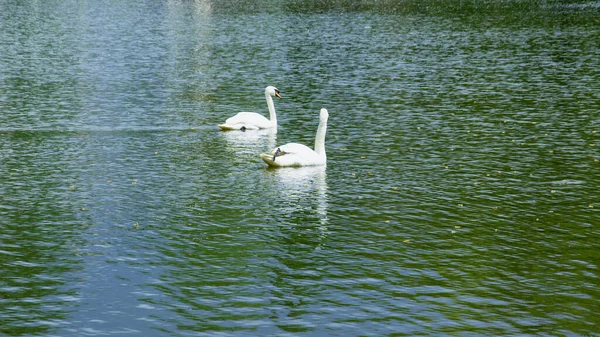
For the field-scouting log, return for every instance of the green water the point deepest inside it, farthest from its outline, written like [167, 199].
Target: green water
[460, 196]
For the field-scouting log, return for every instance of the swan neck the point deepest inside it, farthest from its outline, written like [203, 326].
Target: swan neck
[271, 105]
[320, 138]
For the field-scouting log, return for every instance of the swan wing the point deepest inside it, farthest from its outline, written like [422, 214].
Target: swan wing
[247, 121]
[294, 148]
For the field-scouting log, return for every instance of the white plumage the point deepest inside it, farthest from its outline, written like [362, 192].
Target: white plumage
[294, 154]
[252, 120]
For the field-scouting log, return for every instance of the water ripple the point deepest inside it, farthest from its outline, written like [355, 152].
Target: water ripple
[460, 195]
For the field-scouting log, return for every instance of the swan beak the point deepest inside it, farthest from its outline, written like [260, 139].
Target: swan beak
[275, 154]
[277, 94]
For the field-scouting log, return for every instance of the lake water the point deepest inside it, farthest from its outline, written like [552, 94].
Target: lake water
[461, 194]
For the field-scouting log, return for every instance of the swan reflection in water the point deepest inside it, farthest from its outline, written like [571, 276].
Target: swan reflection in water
[250, 142]
[304, 191]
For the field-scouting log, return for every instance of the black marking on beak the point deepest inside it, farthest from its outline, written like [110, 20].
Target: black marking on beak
[276, 153]
[277, 94]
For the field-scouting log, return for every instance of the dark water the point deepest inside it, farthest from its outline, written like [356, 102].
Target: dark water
[461, 196]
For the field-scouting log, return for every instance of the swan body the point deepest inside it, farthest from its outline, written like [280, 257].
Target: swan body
[253, 121]
[294, 154]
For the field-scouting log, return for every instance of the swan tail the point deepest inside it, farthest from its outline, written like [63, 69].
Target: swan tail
[268, 159]
[241, 127]
[225, 127]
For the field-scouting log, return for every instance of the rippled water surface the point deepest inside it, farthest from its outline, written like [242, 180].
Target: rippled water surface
[461, 195]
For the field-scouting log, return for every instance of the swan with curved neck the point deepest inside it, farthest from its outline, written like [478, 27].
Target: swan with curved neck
[294, 154]
[253, 121]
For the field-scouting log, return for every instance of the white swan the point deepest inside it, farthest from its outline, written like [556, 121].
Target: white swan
[252, 120]
[294, 154]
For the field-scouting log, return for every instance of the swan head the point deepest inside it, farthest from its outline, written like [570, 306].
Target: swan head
[270, 90]
[324, 115]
